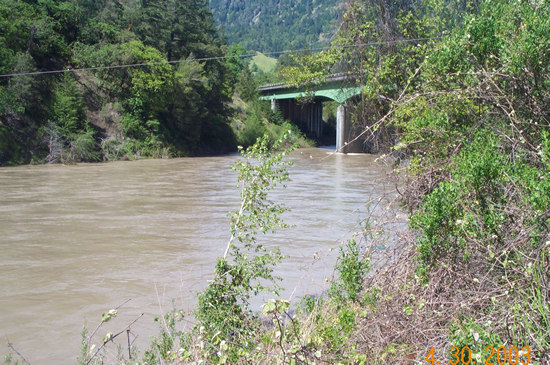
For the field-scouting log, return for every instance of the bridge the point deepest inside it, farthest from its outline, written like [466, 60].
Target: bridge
[309, 113]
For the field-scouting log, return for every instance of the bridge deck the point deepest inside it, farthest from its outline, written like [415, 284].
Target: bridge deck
[339, 87]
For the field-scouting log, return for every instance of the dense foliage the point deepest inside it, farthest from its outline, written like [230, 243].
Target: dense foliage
[277, 25]
[155, 110]
[478, 130]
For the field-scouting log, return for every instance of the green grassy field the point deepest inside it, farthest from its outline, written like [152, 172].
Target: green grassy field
[264, 63]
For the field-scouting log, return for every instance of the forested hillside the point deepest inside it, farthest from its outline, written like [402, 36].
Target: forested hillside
[107, 113]
[275, 25]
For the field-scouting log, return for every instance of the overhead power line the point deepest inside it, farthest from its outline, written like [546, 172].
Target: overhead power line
[204, 59]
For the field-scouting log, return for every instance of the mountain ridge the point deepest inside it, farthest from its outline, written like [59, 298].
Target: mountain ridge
[277, 25]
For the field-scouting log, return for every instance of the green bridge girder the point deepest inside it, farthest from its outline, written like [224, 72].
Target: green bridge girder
[335, 88]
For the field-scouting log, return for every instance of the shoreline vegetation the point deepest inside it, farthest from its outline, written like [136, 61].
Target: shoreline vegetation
[464, 109]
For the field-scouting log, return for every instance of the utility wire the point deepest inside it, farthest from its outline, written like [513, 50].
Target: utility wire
[204, 59]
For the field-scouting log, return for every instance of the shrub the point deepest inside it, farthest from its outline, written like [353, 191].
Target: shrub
[351, 269]
[84, 148]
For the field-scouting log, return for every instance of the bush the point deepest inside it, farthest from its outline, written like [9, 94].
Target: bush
[84, 148]
[111, 149]
[351, 268]
[253, 129]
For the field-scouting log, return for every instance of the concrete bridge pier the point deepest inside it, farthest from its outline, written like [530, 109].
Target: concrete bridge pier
[344, 133]
[342, 128]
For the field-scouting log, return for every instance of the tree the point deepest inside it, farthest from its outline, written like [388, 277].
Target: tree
[67, 109]
[176, 28]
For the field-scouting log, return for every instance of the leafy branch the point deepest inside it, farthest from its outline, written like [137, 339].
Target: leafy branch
[246, 267]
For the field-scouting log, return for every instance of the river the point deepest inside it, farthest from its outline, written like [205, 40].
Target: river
[79, 240]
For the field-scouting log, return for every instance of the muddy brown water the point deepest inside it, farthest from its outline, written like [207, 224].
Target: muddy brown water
[79, 240]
